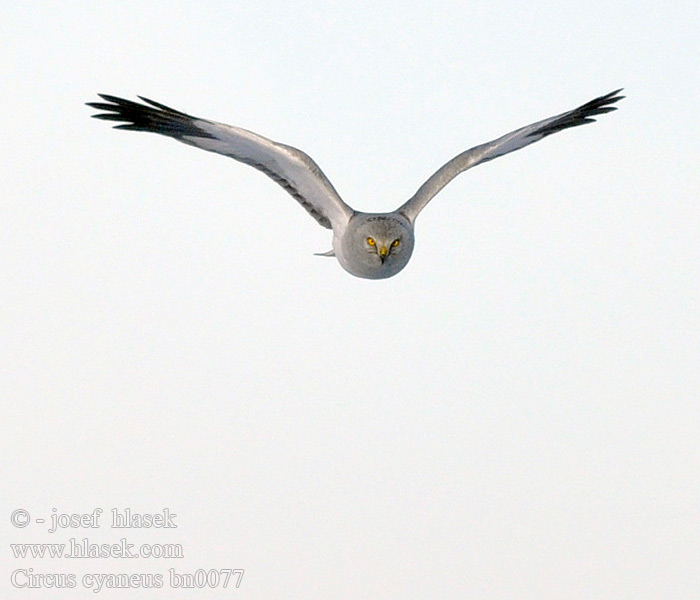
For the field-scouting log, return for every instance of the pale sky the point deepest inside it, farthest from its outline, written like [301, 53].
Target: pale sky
[515, 415]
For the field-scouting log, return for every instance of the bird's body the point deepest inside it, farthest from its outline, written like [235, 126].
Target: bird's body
[368, 245]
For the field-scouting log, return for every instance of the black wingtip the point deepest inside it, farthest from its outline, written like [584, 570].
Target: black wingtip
[607, 99]
[583, 114]
[147, 115]
[613, 97]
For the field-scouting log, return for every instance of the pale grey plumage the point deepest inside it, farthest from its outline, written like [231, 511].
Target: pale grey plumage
[369, 245]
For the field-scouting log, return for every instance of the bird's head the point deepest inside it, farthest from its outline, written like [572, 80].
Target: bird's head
[376, 246]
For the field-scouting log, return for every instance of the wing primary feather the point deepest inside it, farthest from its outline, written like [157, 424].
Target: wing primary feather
[581, 115]
[165, 108]
[139, 117]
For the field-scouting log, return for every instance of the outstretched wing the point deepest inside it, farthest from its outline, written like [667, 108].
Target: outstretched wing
[508, 143]
[294, 170]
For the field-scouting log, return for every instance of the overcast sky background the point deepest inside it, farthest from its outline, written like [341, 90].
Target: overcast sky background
[515, 415]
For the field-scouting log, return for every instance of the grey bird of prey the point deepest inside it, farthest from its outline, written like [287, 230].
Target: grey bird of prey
[369, 245]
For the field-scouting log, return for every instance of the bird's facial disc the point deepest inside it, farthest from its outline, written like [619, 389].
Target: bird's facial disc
[382, 247]
[376, 246]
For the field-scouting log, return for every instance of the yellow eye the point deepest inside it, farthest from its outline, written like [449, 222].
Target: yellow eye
[395, 243]
[371, 241]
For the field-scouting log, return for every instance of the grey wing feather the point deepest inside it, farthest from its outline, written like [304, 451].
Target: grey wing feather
[291, 168]
[508, 143]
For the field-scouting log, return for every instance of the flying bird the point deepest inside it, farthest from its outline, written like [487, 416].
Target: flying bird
[369, 245]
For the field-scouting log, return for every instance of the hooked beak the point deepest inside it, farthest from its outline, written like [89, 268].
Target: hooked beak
[383, 253]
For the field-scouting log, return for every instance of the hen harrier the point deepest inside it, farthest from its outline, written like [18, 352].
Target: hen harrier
[370, 245]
